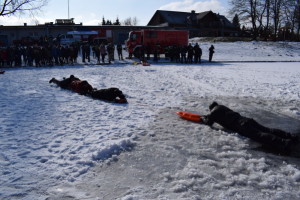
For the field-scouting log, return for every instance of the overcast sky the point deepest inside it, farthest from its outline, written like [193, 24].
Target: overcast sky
[90, 12]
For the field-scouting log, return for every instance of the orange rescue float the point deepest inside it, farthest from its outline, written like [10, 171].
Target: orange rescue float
[189, 116]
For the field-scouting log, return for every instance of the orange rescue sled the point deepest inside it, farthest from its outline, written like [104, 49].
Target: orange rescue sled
[190, 116]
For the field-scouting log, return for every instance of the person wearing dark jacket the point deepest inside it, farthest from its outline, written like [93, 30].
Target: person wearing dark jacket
[275, 139]
[211, 52]
[65, 83]
[198, 53]
[120, 49]
[190, 52]
[109, 94]
[73, 83]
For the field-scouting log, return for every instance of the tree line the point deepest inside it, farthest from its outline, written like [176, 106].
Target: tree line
[130, 21]
[275, 19]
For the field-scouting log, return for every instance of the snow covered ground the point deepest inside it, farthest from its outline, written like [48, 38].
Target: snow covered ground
[55, 144]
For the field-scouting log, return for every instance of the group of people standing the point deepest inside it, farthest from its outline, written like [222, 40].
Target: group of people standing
[188, 54]
[179, 54]
[38, 55]
[185, 54]
[55, 54]
[100, 52]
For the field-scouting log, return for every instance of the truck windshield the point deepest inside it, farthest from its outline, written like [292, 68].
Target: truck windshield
[133, 36]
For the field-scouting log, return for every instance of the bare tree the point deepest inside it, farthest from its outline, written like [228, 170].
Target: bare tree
[248, 11]
[269, 17]
[135, 21]
[13, 7]
[127, 22]
[276, 6]
[130, 21]
[297, 10]
[290, 13]
[268, 7]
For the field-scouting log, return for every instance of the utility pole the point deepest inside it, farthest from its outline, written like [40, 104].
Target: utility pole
[68, 9]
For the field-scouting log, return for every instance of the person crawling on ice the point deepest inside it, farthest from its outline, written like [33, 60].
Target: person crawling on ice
[109, 94]
[83, 87]
[73, 83]
[65, 83]
[274, 139]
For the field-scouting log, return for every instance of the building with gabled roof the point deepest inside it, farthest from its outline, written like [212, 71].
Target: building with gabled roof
[199, 24]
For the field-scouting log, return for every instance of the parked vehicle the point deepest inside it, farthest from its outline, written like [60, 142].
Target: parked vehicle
[76, 37]
[69, 39]
[155, 40]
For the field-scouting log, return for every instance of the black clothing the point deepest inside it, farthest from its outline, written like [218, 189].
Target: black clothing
[86, 51]
[198, 54]
[272, 138]
[119, 49]
[190, 51]
[65, 83]
[83, 87]
[183, 51]
[211, 52]
[110, 94]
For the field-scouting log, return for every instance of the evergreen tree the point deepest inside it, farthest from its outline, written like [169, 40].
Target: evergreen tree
[103, 21]
[236, 22]
[117, 22]
[108, 22]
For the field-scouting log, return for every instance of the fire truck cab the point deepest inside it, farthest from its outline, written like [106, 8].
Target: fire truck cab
[155, 40]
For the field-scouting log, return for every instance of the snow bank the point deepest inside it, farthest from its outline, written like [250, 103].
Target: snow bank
[115, 149]
[251, 51]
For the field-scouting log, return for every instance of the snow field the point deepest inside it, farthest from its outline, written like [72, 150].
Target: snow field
[55, 143]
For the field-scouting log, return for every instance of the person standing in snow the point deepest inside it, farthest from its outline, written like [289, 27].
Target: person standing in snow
[190, 52]
[110, 51]
[274, 139]
[120, 49]
[96, 49]
[211, 52]
[198, 53]
[103, 52]
[183, 51]
[86, 52]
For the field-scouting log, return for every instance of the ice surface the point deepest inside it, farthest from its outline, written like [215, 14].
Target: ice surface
[55, 144]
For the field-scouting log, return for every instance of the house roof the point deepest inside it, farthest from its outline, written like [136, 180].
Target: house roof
[184, 18]
[202, 14]
[173, 17]
[225, 21]
[177, 17]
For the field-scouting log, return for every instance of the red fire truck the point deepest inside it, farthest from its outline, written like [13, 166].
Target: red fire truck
[152, 40]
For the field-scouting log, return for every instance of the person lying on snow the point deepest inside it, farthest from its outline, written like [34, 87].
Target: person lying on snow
[274, 139]
[109, 94]
[73, 83]
[83, 87]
